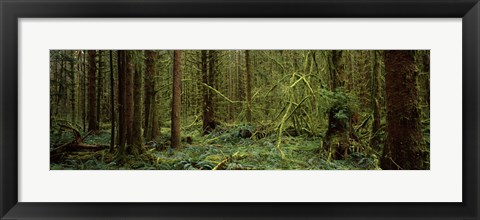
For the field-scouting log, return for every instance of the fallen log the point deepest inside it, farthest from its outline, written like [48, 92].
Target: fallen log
[58, 153]
[84, 147]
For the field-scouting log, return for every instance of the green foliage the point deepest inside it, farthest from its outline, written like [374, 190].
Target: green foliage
[224, 148]
[194, 164]
[342, 103]
[361, 160]
[233, 134]
[102, 138]
[59, 135]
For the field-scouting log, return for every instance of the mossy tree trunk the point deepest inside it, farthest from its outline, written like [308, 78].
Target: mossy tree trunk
[249, 86]
[208, 72]
[336, 141]
[99, 89]
[404, 148]
[73, 87]
[112, 105]
[151, 126]
[176, 99]
[240, 90]
[137, 144]
[374, 96]
[121, 105]
[426, 70]
[129, 100]
[84, 92]
[92, 117]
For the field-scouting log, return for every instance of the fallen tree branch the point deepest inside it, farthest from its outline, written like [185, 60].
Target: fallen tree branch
[224, 161]
[220, 94]
[57, 153]
[221, 163]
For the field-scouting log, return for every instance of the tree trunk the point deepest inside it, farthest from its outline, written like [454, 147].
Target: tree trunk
[62, 87]
[79, 87]
[151, 127]
[374, 95]
[137, 145]
[84, 93]
[337, 137]
[404, 147]
[53, 89]
[205, 92]
[121, 105]
[230, 89]
[207, 78]
[211, 82]
[155, 130]
[99, 90]
[240, 84]
[112, 105]
[426, 70]
[335, 72]
[249, 86]
[149, 65]
[176, 98]
[129, 99]
[155, 122]
[92, 118]
[73, 90]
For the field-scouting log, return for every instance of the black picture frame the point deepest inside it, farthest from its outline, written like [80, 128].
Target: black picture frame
[11, 10]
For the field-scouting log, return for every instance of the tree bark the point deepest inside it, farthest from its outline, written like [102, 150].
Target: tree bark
[92, 118]
[211, 82]
[229, 80]
[121, 105]
[99, 90]
[73, 90]
[148, 91]
[335, 72]
[240, 85]
[62, 86]
[112, 105]
[176, 99]
[80, 78]
[404, 148]
[374, 96]
[129, 99]
[249, 86]
[426, 69]
[137, 145]
[84, 93]
[337, 137]
[151, 127]
[54, 90]
[208, 65]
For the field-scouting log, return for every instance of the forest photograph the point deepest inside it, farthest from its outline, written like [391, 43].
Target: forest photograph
[239, 109]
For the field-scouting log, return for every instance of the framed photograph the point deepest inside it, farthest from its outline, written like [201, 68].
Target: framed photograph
[248, 110]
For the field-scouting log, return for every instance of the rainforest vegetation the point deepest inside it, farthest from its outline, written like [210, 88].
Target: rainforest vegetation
[239, 109]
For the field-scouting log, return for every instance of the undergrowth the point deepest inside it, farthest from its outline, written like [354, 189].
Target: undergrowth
[225, 148]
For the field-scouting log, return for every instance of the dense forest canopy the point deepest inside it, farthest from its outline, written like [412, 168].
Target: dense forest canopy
[240, 109]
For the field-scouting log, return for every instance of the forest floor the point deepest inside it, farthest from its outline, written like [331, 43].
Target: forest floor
[226, 148]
